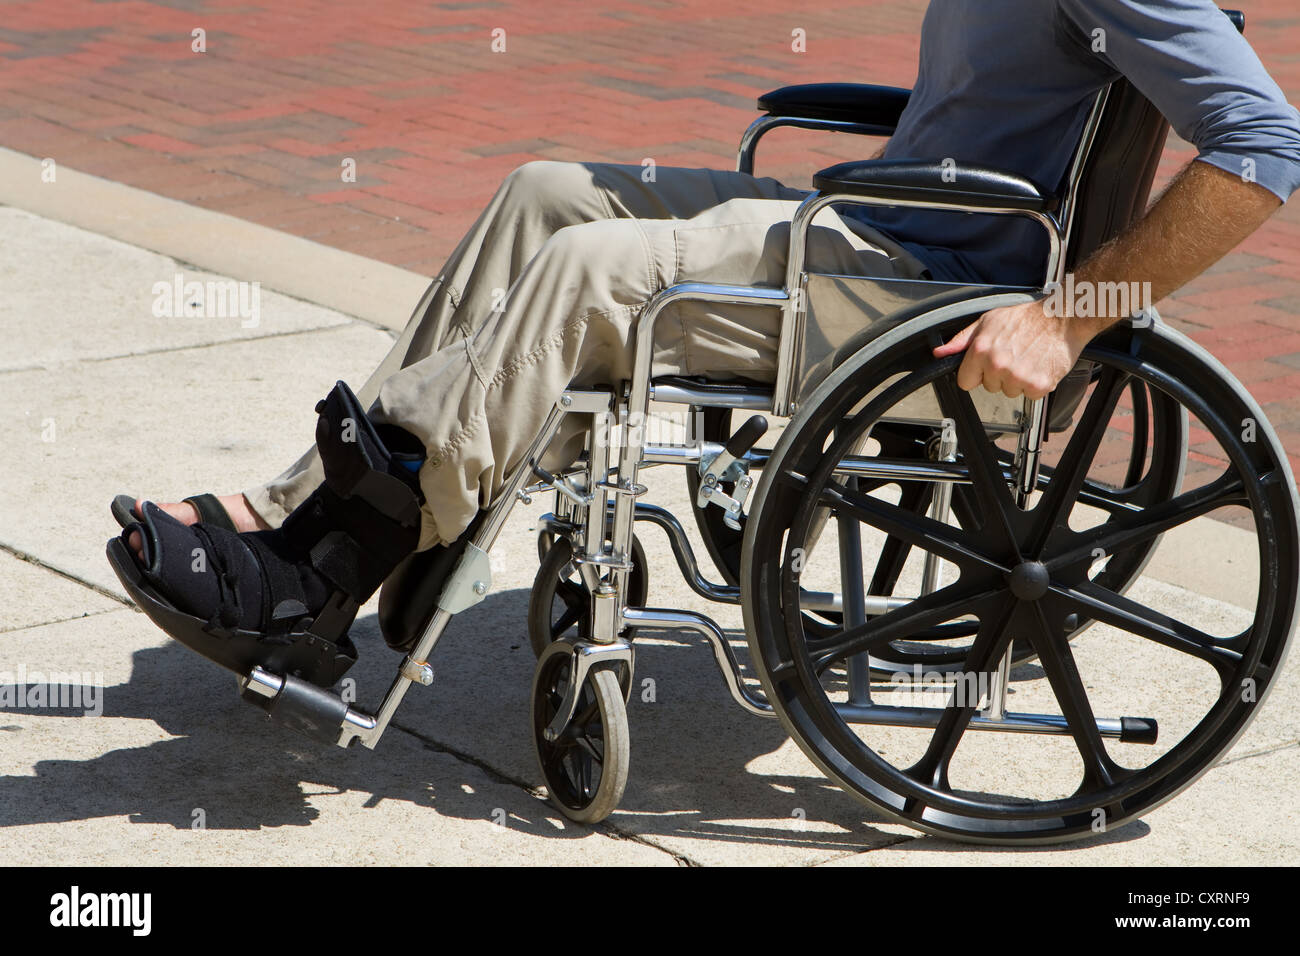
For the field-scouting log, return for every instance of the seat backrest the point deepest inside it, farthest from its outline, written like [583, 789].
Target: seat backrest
[1115, 183]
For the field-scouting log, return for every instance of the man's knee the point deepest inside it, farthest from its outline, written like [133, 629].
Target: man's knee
[547, 184]
[614, 255]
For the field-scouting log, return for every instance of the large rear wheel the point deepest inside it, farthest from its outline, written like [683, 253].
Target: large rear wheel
[1163, 656]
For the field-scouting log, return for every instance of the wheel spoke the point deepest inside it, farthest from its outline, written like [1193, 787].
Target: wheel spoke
[1062, 491]
[573, 594]
[990, 643]
[1137, 527]
[980, 455]
[565, 621]
[582, 766]
[585, 744]
[1111, 500]
[1057, 661]
[939, 606]
[1107, 606]
[915, 499]
[586, 711]
[919, 530]
[1143, 401]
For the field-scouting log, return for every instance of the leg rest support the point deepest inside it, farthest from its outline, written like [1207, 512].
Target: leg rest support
[314, 711]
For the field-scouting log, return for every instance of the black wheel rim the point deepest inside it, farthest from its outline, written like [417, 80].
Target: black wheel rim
[573, 765]
[920, 793]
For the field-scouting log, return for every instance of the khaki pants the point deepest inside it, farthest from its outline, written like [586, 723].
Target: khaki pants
[545, 291]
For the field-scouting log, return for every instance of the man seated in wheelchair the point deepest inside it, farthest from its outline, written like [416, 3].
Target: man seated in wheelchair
[579, 249]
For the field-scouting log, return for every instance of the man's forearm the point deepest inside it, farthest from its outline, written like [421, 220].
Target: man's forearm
[1027, 349]
[1200, 218]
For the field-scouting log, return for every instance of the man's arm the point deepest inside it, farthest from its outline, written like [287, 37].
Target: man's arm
[1202, 216]
[1192, 64]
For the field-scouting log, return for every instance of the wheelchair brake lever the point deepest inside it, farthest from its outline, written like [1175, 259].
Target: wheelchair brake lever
[562, 486]
[727, 465]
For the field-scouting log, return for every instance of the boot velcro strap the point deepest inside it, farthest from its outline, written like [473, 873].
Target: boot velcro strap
[341, 558]
[390, 496]
[284, 601]
[348, 541]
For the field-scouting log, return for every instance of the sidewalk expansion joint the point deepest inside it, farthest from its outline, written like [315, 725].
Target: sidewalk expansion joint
[607, 828]
[61, 620]
[898, 841]
[32, 559]
[196, 346]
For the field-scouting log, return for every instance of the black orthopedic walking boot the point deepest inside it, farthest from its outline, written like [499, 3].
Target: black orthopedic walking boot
[284, 599]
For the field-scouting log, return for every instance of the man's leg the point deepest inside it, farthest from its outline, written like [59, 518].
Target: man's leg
[412, 471]
[533, 203]
[570, 316]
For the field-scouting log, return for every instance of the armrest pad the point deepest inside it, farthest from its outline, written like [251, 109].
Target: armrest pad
[848, 102]
[924, 180]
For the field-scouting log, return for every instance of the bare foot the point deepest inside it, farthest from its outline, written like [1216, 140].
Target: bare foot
[236, 505]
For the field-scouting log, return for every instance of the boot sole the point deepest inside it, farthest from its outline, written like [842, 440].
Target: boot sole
[300, 653]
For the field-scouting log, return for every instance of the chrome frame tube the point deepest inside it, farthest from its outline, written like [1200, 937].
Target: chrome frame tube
[1025, 473]
[675, 620]
[795, 310]
[759, 400]
[594, 536]
[638, 396]
[1075, 175]
[685, 555]
[629, 462]
[932, 569]
[858, 466]
[997, 704]
[1029, 449]
[361, 727]
[928, 717]
[755, 131]
[730, 594]
[853, 598]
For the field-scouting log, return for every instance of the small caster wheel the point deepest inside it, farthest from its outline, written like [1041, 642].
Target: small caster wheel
[545, 538]
[585, 769]
[560, 603]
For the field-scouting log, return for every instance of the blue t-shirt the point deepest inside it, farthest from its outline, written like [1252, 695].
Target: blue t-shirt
[1008, 83]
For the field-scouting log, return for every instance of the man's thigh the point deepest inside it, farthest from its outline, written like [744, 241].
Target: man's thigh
[745, 242]
[673, 192]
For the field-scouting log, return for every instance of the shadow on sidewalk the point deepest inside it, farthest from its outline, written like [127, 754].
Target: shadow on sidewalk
[701, 768]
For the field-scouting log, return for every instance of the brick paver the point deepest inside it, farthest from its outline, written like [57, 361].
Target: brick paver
[260, 123]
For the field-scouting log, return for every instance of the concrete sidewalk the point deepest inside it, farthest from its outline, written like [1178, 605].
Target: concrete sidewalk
[104, 397]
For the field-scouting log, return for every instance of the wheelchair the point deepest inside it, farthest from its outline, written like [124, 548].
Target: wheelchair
[900, 526]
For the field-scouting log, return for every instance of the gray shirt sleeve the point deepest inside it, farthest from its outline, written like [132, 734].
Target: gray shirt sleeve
[1188, 59]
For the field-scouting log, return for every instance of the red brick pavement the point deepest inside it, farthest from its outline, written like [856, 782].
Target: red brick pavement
[259, 124]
